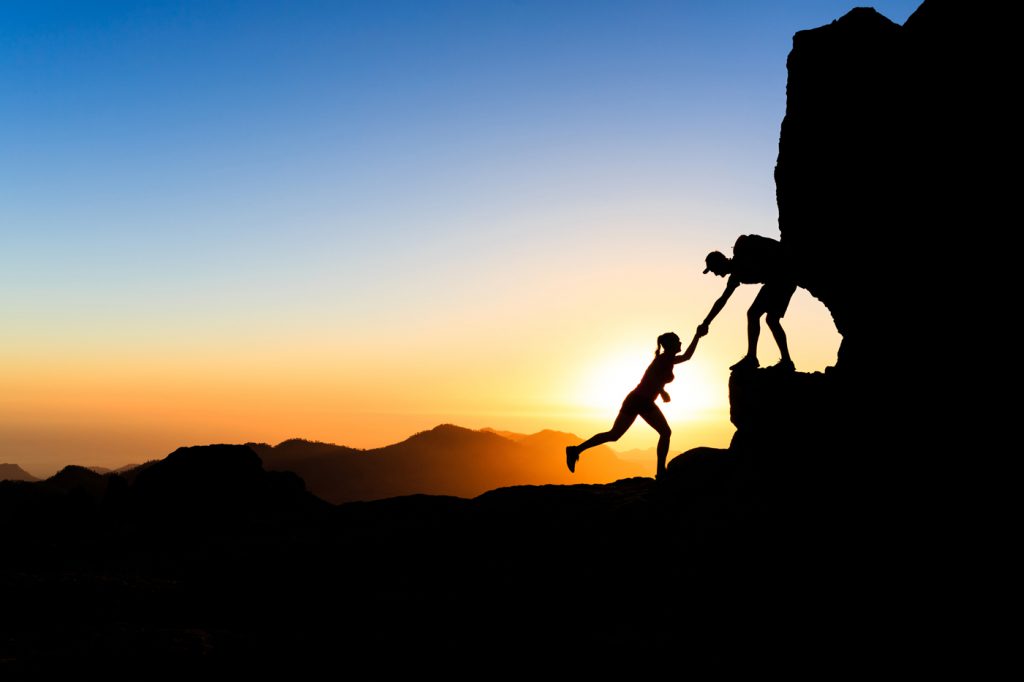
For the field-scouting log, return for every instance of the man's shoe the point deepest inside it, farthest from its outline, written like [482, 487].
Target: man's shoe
[784, 366]
[748, 362]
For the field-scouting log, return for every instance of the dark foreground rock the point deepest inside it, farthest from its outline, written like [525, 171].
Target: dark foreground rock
[210, 565]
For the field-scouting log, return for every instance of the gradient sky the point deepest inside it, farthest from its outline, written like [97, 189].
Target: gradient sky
[350, 221]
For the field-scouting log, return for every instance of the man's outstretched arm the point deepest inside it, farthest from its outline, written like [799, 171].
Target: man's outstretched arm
[717, 307]
[688, 353]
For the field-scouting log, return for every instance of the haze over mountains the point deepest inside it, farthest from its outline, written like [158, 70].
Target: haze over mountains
[447, 460]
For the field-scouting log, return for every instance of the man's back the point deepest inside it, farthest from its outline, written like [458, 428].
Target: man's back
[755, 259]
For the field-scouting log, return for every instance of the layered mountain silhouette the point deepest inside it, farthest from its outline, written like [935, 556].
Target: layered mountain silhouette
[447, 460]
[820, 540]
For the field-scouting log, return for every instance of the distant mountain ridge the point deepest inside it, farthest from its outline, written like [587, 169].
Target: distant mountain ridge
[445, 460]
[13, 472]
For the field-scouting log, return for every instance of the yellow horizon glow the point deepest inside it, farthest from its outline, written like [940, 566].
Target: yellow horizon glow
[533, 363]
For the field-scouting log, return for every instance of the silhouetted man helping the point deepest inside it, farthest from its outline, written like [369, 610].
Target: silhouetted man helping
[756, 260]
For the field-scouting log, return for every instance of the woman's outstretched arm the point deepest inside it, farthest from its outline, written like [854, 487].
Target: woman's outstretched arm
[688, 353]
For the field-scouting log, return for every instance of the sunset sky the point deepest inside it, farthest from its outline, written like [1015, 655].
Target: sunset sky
[351, 221]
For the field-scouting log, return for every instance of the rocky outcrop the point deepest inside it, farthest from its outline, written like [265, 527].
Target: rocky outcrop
[883, 172]
[836, 179]
[885, 191]
[886, 186]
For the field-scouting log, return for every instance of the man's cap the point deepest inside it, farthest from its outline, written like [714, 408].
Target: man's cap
[713, 256]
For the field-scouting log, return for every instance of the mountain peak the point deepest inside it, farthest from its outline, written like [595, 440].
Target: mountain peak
[448, 432]
[73, 477]
[292, 441]
[13, 472]
[447, 428]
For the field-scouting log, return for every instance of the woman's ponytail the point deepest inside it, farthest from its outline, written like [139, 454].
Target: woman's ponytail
[663, 341]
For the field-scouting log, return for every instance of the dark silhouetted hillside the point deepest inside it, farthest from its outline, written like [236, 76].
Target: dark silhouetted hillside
[203, 483]
[447, 460]
[208, 562]
[73, 478]
[13, 472]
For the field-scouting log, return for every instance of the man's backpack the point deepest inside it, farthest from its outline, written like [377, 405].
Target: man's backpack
[755, 257]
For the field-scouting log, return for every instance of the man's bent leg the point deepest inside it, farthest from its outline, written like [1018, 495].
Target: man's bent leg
[775, 325]
[753, 330]
[757, 309]
[777, 297]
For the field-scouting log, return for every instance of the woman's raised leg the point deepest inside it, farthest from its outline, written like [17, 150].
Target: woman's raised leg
[627, 415]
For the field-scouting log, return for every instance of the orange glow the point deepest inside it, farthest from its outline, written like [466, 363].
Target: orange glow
[515, 357]
[614, 375]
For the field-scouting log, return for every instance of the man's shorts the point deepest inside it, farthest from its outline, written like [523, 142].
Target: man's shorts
[773, 298]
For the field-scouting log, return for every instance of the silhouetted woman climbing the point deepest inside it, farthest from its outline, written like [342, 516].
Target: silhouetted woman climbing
[640, 401]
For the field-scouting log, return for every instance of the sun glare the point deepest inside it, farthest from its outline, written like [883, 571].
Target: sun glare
[610, 378]
[614, 375]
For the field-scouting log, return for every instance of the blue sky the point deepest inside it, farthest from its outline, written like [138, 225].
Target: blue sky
[175, 174]
[143, 138]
